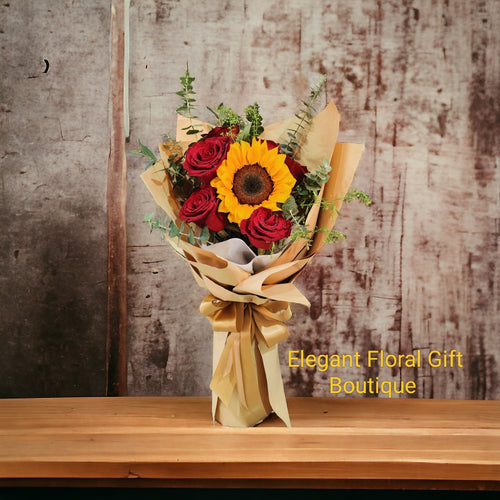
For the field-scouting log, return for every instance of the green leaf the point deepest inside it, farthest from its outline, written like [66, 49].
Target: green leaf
[146, 151]
[289, 208]
[187, 95]
[174, 230]
[245, 132]
[334, 235]
[191, 239]
[304, 117]
[254, 117]
[215, 114]
[361, 196]
[205, 234]
[193, 127]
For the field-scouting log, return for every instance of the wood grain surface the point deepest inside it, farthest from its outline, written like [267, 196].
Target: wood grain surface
[418, 83]
[174, 438]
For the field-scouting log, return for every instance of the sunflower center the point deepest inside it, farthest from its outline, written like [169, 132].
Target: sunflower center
[252, 184]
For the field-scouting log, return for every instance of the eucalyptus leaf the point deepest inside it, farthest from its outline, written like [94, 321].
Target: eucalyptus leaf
[174, 230]
[205, 234]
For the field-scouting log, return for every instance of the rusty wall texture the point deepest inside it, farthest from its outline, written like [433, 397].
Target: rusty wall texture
[418, 82]
[54, 147]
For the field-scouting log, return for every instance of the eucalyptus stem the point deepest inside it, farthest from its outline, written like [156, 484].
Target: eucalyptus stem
[187, 93]
[304, 117]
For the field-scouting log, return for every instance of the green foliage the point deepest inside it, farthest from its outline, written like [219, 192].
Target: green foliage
[289, 208]
[226, 117]
[156, 223]
[146, 153]
[334, 235]
[303, 233]
[175, 231]
[245, 133]
[300, 231]
[204, 235]
[167, 226]
[216, 113]
[313, 181]
[354, 194]
[177, 172]
[187, 95]
[252, 114]
[250, 126]
[230, 117]
[291, 143]
[305, 194]
[191, 239]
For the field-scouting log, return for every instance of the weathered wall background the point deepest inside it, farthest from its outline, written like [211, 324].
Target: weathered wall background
[417, 81]
[54, 148]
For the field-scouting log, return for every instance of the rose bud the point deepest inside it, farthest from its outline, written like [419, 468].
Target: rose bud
[204, 157]
[265, 227]
[296, 169]
[201, 208]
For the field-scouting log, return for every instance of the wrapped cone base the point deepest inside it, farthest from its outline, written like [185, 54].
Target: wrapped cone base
[257, 406]
[235, 415]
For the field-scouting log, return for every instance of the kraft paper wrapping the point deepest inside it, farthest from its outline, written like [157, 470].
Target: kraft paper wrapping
[248, 310]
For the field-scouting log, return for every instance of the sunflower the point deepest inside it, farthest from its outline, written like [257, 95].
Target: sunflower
[250, 177]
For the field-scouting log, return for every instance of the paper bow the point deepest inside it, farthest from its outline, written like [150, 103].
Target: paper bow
[242, 322]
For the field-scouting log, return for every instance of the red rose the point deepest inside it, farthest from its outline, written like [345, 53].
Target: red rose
[296, 169]
[230, 132]
[201, 208]
[204, 157]
[265, 227]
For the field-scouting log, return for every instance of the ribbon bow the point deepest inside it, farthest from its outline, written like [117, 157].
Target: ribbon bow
[249, 328]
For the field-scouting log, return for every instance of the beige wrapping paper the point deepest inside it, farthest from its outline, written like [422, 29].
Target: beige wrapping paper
[248, 311]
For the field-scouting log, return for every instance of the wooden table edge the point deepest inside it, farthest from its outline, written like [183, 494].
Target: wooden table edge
[473, 473]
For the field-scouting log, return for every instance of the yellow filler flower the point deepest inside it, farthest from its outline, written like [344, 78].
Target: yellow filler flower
[250, 177]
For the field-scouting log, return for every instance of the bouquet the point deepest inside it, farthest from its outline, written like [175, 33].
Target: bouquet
[247, 208]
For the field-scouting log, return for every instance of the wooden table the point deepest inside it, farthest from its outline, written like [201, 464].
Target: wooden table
[172, 442]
